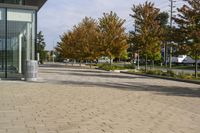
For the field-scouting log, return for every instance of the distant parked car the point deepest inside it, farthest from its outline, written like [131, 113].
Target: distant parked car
[66, 61]
[189, 60]
[104, 60]
[181, 58]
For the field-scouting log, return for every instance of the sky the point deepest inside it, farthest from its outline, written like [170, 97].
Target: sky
[59, 16]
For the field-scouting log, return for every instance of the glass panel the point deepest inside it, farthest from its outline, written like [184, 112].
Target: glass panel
[20, 40]
[2, 43]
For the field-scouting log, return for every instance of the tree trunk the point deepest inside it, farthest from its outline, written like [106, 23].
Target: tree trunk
[110, 61]
[72, 62]
[170, 58]
[90, 64]
[138, 61]
[80, 63]
[145, 63]
[196, 66]
[165, 55]
[153, 64]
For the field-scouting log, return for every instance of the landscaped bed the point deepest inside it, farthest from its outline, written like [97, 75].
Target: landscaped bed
[169, 74]
[109, 67]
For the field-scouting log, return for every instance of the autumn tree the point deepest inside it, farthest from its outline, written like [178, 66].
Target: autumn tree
[89, 39]
[82, 43]
[188, 31]
[149, 32]
[66, 46]
[70, 46]
[113, 36]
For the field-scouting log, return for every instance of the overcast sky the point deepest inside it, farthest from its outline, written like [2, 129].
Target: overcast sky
[59, 16]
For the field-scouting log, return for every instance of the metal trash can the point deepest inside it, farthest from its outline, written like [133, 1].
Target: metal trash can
[31, 73]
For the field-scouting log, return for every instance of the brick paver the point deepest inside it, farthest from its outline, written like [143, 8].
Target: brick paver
[74, 100]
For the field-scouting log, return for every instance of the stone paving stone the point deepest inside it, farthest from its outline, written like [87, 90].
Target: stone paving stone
[2, 130]
[79, 100]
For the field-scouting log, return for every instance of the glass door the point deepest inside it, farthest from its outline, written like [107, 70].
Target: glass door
[20, 41]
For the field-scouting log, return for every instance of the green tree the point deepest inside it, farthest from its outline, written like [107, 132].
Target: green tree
[148, 36]
[188, 31]
[124, 56]
[41, 47]
[112, 35]
[163, 17]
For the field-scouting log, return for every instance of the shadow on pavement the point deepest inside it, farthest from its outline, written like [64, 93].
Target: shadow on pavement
[106, 75]
[126, 86]
[83, 70]
[137, 86]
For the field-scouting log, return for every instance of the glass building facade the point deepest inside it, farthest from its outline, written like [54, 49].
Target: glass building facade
[17, 38]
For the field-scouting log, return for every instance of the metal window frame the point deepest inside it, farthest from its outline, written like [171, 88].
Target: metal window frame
[6, 42]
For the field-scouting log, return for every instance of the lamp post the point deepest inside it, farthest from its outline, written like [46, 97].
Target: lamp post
[53, 55]
[171, 25]
[138, 60]
[138, 54]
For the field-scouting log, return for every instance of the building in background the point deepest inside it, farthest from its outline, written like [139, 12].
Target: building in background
[18, 28]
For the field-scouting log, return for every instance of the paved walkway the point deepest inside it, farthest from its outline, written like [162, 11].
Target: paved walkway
[75, 100]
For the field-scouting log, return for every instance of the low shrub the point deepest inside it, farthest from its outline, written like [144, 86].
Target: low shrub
[151, 72]
[164, 74]
[188, 77]
[181, 75]
[198, 76]
[171, 73]
[142, 70]
[158, 72]
[109, 67]
[129, 66]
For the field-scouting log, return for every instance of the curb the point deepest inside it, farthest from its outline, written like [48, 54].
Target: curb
[166, 78]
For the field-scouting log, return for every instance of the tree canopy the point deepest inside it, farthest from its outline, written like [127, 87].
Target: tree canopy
[147, 37]
[91, 39]
[113, 36]
[188, 31]
[41, 46]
